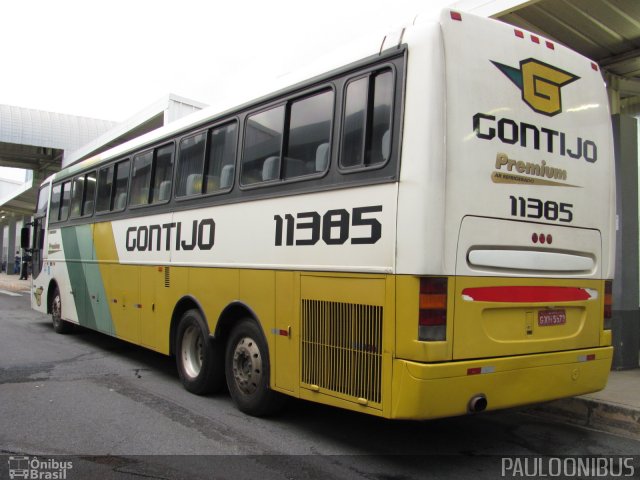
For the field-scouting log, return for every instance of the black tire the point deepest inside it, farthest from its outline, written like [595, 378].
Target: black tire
[59, 325]
[199, 358]
[248, 371]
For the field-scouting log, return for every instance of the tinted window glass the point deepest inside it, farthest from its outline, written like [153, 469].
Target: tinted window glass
[367, 120]
[380, 149]
[222, 158]
[262, 144]
[141, 178]
[122, 184]
[43, 199]
[162, 174]
[354, 123]
[192, 151]
[55, 203]
[76, 196]
[66, 200]
[105, 180]
[309, 132]
[90, 194]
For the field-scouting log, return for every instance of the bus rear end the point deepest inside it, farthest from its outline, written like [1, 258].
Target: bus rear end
[518, 311]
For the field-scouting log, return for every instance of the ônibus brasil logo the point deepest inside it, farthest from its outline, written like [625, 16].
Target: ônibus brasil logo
[539, 83]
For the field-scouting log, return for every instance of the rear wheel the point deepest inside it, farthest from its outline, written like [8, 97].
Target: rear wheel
[247, 370]
[59, 325]
[199, 359]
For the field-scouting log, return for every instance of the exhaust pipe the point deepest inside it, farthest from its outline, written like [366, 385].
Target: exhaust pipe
[478, 403]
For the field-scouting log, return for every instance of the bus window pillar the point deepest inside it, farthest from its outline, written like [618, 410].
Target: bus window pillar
[626, 302]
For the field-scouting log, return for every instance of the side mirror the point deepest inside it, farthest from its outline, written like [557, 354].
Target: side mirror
[25, 239]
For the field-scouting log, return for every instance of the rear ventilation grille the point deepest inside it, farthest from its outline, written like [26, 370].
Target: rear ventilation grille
[342, 349]
[167, 277]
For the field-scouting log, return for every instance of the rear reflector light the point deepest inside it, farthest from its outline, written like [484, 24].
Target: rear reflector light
[608, 304]
[456, 16]
[480, 370]
[535, 39]
[519, 33]
[594, 66]
[521, 294]
[432, 320]
[587, 358]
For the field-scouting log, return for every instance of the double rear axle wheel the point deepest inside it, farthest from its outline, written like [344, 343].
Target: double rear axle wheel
[204, 363]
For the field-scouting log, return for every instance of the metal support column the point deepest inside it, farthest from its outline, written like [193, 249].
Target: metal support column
[2, 257]
[626, 302]
[11, 243]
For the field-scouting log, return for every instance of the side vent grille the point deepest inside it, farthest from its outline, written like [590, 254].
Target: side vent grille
[342, 349]
[167, 277]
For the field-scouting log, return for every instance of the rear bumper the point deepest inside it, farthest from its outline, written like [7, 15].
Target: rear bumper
[422, 391]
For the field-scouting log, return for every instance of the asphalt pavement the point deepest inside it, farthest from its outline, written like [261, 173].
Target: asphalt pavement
[109, 409]
[615, 409]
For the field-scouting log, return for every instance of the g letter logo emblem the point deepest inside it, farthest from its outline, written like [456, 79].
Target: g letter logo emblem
[539, 83]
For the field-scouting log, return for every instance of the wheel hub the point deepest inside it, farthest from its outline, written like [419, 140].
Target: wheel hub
[192, 351]
[247, 365]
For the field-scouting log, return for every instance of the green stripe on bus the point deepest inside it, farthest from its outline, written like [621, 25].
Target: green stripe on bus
[85, 278]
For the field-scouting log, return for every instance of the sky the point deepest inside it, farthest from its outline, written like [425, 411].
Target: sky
[110, 60]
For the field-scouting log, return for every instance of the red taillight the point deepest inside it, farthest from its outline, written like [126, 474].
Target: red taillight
[456, 16]
[608, 303]
[432, 321]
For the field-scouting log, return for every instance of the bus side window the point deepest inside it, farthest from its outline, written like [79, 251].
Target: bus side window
[76, 196]
[121, 185]
[262, 146]
[191, 165]
[105, 182]
[82, 195]
[54, 212]
[141, 178]
[308, 135]
[162, 174]
[366, 134]
[89, 194]
[43, 199]
[65, 201]
[220, 167]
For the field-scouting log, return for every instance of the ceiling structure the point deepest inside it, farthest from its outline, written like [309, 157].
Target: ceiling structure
[607, 31]
[67, 139]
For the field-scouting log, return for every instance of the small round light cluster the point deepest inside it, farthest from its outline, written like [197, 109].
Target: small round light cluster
[542, 238]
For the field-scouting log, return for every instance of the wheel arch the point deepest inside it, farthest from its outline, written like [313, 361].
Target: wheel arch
[230, 316]
[53, 284]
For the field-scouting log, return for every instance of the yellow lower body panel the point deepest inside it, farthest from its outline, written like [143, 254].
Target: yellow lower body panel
[422, 391]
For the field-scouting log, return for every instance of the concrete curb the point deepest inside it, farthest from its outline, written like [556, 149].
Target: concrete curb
[12, 283]
[597, 414]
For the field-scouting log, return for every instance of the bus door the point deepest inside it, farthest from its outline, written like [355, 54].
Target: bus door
[39, 229]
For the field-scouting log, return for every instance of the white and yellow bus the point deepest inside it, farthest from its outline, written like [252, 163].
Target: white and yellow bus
[424, 230]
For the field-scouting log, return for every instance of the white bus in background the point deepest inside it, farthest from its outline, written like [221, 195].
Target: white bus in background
[425, 231]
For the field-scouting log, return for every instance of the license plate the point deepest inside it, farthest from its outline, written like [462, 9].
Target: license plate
[548, 318]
